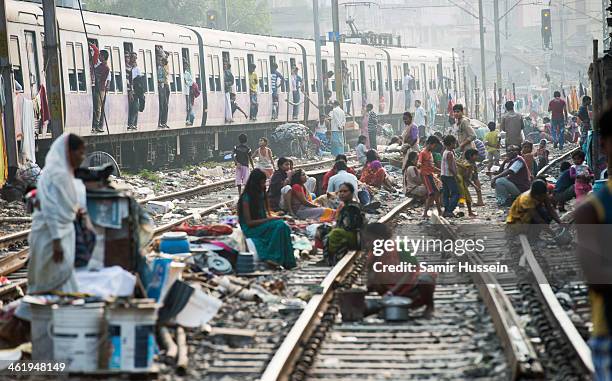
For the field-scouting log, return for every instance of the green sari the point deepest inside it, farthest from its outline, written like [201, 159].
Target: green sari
[272, 239]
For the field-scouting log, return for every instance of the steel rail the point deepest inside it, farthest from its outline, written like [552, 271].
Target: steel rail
[520, 353]
[556, 312]
[282, 364]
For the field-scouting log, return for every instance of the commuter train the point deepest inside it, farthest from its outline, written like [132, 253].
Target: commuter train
[375, 77]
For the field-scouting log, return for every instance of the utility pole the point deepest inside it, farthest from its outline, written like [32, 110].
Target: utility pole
[562, 41]
[482, 58]
[497, 56]
[476, 97]
[54, 83]
[10, 141]
[337, 54]
[465, 85]
[224, 15]
[455, 76]
[319, 73]
[604, 26]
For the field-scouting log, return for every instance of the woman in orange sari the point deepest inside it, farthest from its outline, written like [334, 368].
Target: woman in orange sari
[373, 173]
[301, 204]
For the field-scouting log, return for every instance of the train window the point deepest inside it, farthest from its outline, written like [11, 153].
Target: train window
[217, 73]
[292, 62]
[211, 74]
[313, 78]
[117, 72]
[79, 58]
[261, 75]
[196, 70]
[226, 56]
[282, 67]
[386, 75]
[266, 76]
[32, 57]
[250, 59]
[16, 62]
[128, 47]
[72, 78]
[172, 69]
[237, 76]
[243, 78]
[149, 71]
[178, 73]
[272, 59]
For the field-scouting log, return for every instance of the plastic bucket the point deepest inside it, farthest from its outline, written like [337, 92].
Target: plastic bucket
[76, 335]
[352, 304]
[42, 343]
[131, 337]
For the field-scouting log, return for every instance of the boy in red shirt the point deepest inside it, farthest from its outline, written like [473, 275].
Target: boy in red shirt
[426, 166]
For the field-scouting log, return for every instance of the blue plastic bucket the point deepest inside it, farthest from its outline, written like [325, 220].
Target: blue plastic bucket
[174, 243]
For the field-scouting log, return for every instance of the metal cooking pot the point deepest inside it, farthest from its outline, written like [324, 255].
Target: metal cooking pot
[396, 308]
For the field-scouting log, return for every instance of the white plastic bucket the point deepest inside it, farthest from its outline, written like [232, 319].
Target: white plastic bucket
[42, 343]
[131, 333]
[76, 335]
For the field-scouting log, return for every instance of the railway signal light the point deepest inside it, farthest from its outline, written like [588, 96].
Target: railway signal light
[546, 29]
[211, 18]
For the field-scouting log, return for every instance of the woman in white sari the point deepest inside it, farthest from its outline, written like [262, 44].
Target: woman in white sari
[52, 238]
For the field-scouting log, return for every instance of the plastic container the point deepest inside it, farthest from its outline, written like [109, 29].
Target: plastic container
[174, 243]
[42, 342]
[245, 263]
[131, 337]
[76, 335]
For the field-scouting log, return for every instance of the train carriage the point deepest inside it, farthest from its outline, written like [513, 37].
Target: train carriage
[375, 76]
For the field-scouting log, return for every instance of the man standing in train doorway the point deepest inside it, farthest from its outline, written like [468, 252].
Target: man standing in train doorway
[253, 83]
[297, 85]
[408, 86]
[276, 76]
[163, 87]
[338, 120]
[102, 79]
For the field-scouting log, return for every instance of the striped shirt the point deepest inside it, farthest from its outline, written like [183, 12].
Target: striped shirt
[275, 76]
[372, 121]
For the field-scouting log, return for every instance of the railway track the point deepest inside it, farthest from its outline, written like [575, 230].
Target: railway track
[320, 346]
[14, 248]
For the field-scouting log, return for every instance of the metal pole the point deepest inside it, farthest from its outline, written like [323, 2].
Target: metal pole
[54, 83]
[476, 98]
[562, 41]
[604, 26]
[317, 37]
[224, 15]
[598, 105]
[454, 76]
[337, 54]
[498, 66]
[10, 141]
[465, 87]
[495, 89]
[482, 58]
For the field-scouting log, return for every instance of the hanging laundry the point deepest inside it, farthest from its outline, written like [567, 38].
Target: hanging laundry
[27, 130]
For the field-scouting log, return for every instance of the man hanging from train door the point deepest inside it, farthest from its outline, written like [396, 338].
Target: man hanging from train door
[407, 85]
[102, 79]
[276, 75]
[297, 85]
[163, 87]
[253, 84]
[228, 84]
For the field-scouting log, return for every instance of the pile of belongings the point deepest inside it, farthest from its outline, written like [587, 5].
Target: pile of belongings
[289, 131]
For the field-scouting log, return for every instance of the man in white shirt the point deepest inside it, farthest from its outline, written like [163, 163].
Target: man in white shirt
[338, 120]
[341, 177]
[407, 84]
[420, 118]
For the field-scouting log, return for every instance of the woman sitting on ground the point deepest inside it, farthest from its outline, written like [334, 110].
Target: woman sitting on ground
[300, 203]
[349, 220]
[374, 174]
[271, 235]
[413, 185]
[279, 179]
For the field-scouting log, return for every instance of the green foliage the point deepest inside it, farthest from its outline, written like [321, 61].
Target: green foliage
[248, 16]
[149, 175]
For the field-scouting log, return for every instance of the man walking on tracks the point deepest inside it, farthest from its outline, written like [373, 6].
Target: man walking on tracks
[338, 120]
[512, 124]
[558, 109]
